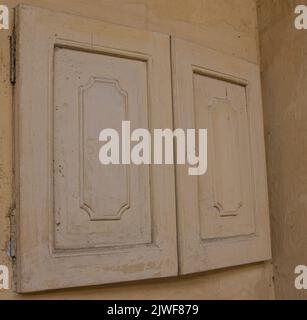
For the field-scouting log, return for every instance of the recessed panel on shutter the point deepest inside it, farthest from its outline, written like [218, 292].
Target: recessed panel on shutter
[222, 215]
[80, 222]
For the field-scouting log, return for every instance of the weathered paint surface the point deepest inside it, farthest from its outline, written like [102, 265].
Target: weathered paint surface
[228, 26]
[284, 78]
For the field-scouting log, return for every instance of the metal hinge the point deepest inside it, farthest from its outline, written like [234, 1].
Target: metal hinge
[11, 248]
[13, 52]
[13, 58]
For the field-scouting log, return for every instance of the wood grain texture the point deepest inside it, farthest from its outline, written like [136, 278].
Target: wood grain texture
[225, 25]
[222, 216]
[54, 62]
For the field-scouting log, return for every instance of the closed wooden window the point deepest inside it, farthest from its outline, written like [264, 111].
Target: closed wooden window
[83, 223]
[223, 215]
[79, 222]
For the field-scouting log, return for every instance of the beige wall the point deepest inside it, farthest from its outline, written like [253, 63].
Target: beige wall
[226, 25]
[284, 78]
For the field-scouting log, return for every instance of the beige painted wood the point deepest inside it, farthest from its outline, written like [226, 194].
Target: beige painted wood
[222, 215]
[80, 223]
[112, 207]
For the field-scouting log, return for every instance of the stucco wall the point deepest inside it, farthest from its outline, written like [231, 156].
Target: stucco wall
[284, 78]
[226, 25]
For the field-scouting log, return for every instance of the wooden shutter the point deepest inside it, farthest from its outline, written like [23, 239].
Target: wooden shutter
[223, 215]
[79, 222]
